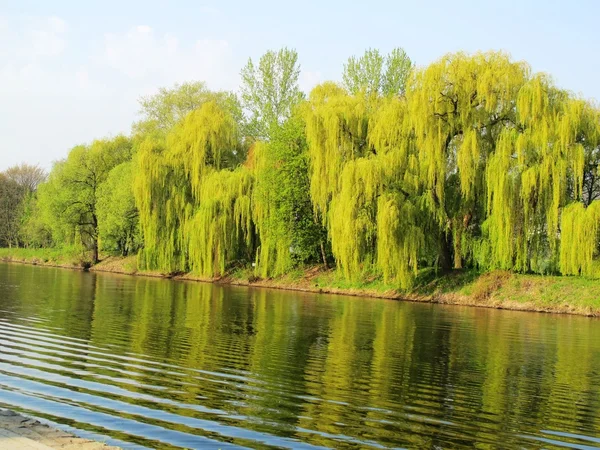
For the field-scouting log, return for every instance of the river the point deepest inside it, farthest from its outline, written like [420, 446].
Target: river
[144, 362]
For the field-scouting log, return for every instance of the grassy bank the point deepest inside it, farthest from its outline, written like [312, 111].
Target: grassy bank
[499, 289]
[66, 257]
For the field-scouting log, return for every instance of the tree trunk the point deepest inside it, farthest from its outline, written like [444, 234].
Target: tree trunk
[95, 238]
[95, 258]
[457, 258]
[457, 250]
[445, 258]
[324, 256]
[460, 226]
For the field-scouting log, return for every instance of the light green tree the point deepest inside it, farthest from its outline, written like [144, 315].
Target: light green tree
[118, 224]
[17, 191]
[270, 91]
[478, 152]
[34, 231]
[69, 198]
[375, 74]
[282, 209]
[162, 111]
[11, 202]
[193, 197]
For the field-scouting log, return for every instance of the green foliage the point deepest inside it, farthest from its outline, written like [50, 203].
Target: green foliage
[118, 224]
[579, 239]
[363, 182]
[68, 201]
[20, 221]
[517, 145]
[282, 210]
[185, 131]
[189, 199]
[471, 162]
[11, 199]
[220, 230]
[162, 111]
[270, 91]
[478, 152]
[34, 230]
[374, 74]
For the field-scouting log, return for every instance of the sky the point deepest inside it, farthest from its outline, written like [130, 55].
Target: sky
[73, 71]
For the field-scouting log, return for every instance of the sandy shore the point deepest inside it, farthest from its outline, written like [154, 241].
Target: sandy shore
[18, 432]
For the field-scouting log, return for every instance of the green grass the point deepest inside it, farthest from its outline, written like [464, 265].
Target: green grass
[429, 282]
[244, 274]
[575, 293]
[71, 256]
[470, 287]
[131, 264]
[496, 289]
[335, 279]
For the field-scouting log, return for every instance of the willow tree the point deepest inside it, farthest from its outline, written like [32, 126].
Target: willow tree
[361, 182]
[537, 171]
[458, 109]
[501, 152]
[221, 231]
[189, 199]
[579, 238]
[217, 221]
[580, 220]
[590, 139]
[478, 154]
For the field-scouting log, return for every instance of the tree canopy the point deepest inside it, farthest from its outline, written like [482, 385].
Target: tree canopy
[270, 91]
[375, 74]
[69, 200]
[473, 161]
[479, 152]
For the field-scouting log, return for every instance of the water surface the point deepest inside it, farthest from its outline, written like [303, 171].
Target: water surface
[164, 364]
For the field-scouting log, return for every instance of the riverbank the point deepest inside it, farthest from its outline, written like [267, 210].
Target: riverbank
[24, 433]
[499, 289]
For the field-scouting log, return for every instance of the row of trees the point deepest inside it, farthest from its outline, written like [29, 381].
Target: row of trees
[471, 161]
[18, 185]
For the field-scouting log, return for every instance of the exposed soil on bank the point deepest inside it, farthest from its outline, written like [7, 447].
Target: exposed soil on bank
[24, 433]
[499, 289]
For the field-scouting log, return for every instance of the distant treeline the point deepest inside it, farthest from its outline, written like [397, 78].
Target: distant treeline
[473, 161]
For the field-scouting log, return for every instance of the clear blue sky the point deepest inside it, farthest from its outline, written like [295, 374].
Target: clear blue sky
[71, 71]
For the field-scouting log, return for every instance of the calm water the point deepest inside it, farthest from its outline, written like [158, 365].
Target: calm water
[164, 364]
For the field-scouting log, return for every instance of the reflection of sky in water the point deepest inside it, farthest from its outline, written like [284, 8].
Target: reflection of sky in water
[194, 365]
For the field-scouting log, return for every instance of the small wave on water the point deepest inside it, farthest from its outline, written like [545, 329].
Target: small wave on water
[144, 363]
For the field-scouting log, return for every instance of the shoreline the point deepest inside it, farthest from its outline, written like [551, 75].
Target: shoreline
[496, 290]
[18, 431]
